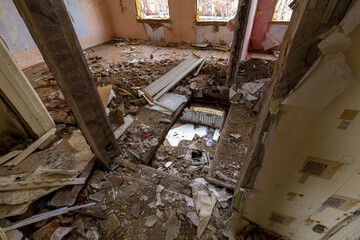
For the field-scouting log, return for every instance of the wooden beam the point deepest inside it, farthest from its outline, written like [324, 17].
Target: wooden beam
[241, 21]
[52, 30]
[329, 11]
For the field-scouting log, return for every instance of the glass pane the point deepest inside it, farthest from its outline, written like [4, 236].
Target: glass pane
[282, 11]
[217, 10]
[154, 9]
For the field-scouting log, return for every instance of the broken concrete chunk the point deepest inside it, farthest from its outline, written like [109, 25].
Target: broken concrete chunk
[193, 218]
[151, 220]
[159, 188]
[173, 228]
[93, 233]
[61, 232]
[47, 231]
[154, 142]
[168, 164]
[135, 210]
[116, 180]
[159, 213]
[152, 204]
[111, 224]
[234, 96]
[97, 197]
[235, 135]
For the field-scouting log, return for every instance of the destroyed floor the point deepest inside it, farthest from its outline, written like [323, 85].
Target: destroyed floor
[135, 201]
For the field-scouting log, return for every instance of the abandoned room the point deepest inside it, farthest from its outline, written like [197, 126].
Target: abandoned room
[179, 119]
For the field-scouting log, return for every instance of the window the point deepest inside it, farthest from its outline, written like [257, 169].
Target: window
[216, 10]
[152, 9]
[282, 11]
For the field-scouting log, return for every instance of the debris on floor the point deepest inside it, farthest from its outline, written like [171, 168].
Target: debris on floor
[169, 108]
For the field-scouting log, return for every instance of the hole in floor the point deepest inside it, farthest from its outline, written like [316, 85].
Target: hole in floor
[190, 144]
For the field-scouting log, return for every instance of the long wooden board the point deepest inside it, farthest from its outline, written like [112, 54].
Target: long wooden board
[30, 149]
[22, 185]
[174, 75]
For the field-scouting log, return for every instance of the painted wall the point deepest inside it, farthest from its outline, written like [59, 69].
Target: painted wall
[90, 18]
[263, 25]
[182, 27]
[15, 33]
[311, 169]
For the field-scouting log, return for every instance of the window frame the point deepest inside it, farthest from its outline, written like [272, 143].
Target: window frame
[278, 21]
[208, 22]
[150, 20]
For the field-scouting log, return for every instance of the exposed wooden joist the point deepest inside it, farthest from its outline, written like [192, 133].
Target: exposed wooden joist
[52, 30]
[296, 57]
[151, 153]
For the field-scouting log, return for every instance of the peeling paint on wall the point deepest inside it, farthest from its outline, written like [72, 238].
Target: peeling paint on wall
[207, 34]
[154, 32]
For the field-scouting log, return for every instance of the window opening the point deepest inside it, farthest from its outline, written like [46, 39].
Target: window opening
[216, 10]
[282, 11]
[152, 9]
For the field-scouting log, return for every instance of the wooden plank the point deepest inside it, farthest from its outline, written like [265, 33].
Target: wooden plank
[219, 183]
[177, 79]
[9, 156]
[21, 95]
[43, 216]
[11, 178]
[172, 75]
[119, 131]
[200, 67]
[329, 11]
[52, 30]
[150, 154]
[30, 149]
[23, 185]
[312, 4]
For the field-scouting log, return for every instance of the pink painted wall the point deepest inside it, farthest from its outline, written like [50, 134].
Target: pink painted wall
[262, 21]
[97, 18]
[182, 27]
[123, 20]
[182, 14]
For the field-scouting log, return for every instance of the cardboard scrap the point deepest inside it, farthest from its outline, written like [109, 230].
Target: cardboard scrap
[105, 94]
